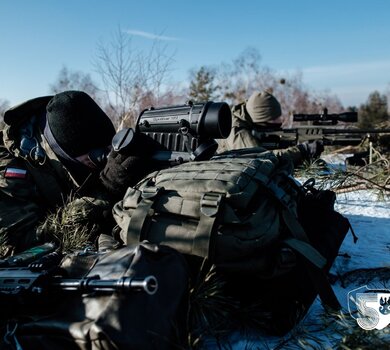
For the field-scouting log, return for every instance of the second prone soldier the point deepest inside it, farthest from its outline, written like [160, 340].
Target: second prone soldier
[263, 111]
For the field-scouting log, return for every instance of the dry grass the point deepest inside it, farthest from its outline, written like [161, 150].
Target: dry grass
[211, 312]
[3, 246]
[355, 338]
[374, 176]
[74, 226]
[70, 226]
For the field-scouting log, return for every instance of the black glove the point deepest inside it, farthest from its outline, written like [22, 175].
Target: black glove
[128, 165]
[120, 172]
[311, 150]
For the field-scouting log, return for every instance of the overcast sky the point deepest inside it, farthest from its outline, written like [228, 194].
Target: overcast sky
[342, 46]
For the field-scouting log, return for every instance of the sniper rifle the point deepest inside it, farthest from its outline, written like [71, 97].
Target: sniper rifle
[279, 138]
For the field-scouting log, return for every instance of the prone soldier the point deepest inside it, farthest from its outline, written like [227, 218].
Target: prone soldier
[54, 149]
[263, 111]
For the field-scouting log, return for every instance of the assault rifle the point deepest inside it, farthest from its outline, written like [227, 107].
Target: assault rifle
[184, 132]
[35, 273]
[319, 130]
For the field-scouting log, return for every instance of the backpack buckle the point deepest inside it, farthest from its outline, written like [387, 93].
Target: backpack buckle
[209, 203]
[150, 192]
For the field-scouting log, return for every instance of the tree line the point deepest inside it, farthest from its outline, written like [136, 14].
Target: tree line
[132, 80]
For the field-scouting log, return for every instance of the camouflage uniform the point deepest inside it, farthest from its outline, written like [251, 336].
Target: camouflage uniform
[34, 182]
[263, 112]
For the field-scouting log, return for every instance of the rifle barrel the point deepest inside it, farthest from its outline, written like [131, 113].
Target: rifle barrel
[148, 284]
[355, 131]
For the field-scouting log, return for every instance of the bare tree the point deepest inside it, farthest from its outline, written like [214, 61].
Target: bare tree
[75, 80]
[245, 75]
[131, 75]
[295, 97]
[237, 79]
[387, 93]
[4, 105]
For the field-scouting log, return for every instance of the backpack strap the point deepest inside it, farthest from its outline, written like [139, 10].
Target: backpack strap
[136, 228]
[314, 261]
[203, 242]
[300, 241]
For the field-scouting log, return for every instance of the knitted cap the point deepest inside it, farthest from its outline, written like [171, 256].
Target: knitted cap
[263, 107]
[77, 123]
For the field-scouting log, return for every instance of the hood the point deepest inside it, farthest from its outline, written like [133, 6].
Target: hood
[241, 118]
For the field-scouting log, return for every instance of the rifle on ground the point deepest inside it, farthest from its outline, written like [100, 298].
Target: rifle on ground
[320, 130]
[36, 273]
[184, 132]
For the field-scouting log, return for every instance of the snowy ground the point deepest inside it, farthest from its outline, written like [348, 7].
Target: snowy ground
[365, 263]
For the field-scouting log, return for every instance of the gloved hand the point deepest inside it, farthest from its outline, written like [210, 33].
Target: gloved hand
[125, 167]
[311, 150]
[120, 172]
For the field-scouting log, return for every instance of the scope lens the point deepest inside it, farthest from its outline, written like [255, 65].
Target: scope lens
[217, 122]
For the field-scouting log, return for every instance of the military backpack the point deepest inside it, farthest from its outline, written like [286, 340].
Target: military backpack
[241, 211]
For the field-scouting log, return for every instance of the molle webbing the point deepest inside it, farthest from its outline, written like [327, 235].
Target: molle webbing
[195, 191]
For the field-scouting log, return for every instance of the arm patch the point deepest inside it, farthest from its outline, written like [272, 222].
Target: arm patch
[15, 173]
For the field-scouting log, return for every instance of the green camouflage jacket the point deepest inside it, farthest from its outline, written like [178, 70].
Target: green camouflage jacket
[33, 184]
[241, 136]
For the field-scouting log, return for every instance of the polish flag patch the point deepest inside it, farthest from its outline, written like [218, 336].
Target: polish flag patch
[15, 173]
